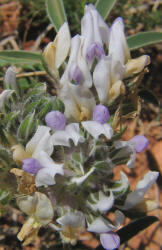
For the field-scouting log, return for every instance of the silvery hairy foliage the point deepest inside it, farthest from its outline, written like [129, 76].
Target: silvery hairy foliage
[63, 149]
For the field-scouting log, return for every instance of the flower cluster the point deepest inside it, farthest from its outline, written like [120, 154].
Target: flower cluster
[69, 160]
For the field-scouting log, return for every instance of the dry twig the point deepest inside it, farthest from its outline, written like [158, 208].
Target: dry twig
[28, 74]
[40, 37]
[11, 40]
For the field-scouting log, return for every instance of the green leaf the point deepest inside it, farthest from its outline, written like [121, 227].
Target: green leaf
[100, 165]
[10, 119]
[5, 155]
[26, 127]
[149, 96]
[31, 107]
[23, 83]
[104, 7]
[3, 138]
[133, 228]
[58, 105]
[56, 12]
[143, 39]
[47, 108]
[38, 90]
[4, 196]
[19, 57]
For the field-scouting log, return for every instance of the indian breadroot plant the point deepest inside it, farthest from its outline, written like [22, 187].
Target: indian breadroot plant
[63, 148]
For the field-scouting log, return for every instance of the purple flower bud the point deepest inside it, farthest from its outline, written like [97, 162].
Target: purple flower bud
[56, 120]
[75, 74]
[140, 142]
[94, 50]
[101, 114]
[31, 166]
[110, 240]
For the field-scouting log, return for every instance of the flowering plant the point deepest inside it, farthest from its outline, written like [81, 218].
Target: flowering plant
[63, 149]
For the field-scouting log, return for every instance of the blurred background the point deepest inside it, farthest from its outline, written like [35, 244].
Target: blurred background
[24, 25]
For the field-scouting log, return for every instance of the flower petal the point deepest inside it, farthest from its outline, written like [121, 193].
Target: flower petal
[96, 129]
[76, 60]
[61, 138]
[118, 47]
[44, 210]
[100, 225]
[27, 204]
[56, 120]
[46, 175]
[137, 195]
[101, 78]
[31, 165]
[119, 218]
[79, 101]
[71, 132]
[73, 219]
[94, 30]
[62, 47]
[110, 240]
[135, 66]
[40, 141]
[139, 142]
[117, 89]
[101, 114]
[104, 203]
[81, 179]
[56, 52]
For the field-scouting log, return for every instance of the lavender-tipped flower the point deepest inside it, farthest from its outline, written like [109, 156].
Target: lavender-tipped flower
[94, 50]
[31, 165]
[140, 142]
[75, 74]
[110, 240]
[56, 120]
[101, 114]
